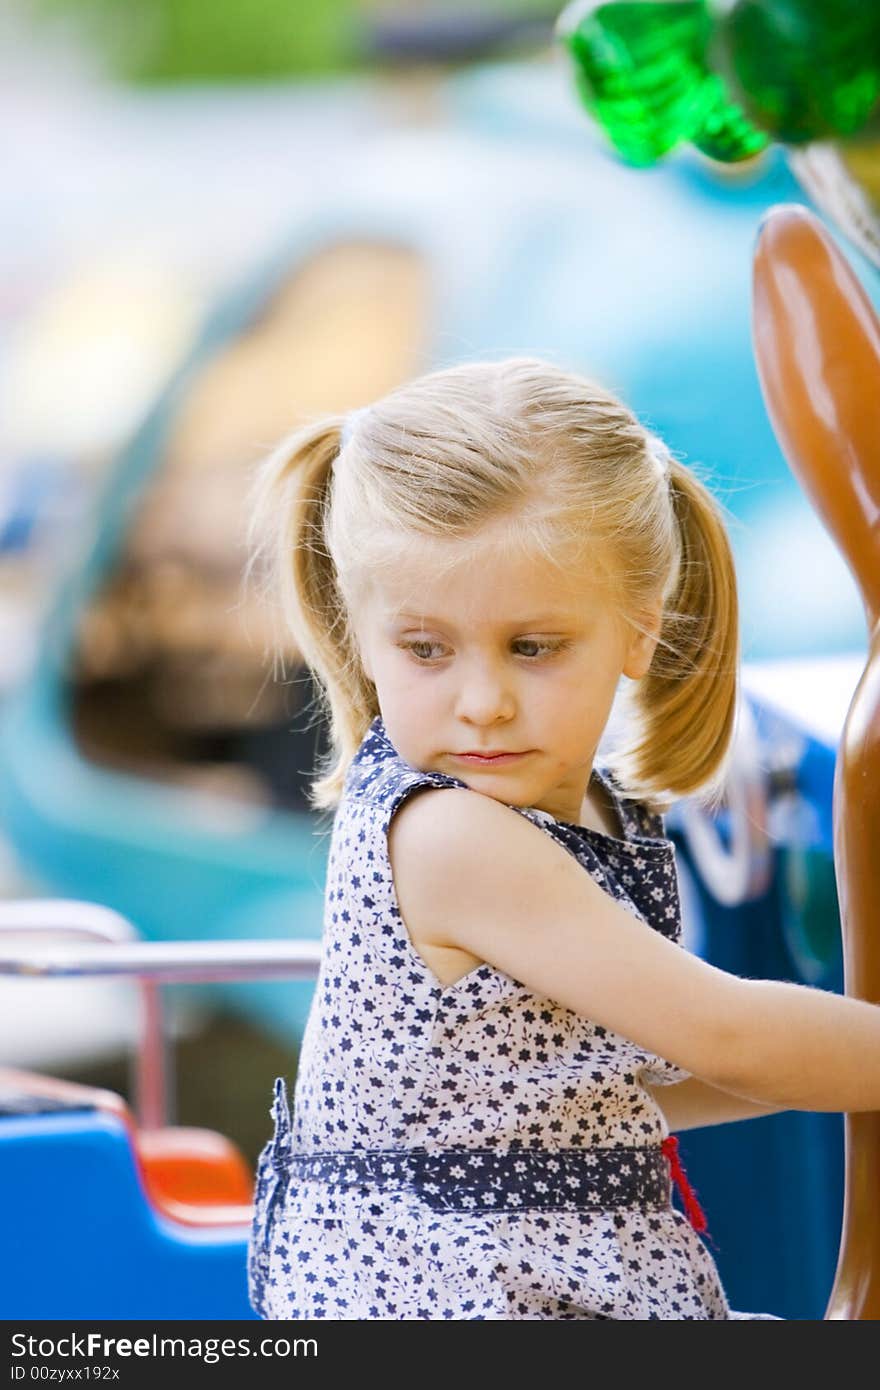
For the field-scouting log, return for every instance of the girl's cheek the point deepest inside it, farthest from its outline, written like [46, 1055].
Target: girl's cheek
[409, 678]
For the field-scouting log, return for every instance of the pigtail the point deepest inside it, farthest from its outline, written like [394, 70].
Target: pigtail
[286, 542]
[686, 703]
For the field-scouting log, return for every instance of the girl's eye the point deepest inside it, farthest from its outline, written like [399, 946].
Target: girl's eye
[544, 648]
[418, 648]
[421, 651]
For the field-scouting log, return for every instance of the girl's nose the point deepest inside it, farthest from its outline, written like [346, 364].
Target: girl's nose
[484, 698]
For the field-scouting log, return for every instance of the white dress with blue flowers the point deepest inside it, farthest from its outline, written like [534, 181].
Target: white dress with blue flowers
[470, 1151]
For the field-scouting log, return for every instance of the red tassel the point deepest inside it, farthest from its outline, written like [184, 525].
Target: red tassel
[694, 1211]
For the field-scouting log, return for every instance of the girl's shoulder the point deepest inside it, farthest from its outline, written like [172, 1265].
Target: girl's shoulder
[379, 776]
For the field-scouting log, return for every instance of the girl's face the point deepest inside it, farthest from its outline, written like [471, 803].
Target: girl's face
[501, 654]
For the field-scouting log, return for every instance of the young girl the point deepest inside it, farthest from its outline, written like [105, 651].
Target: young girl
[505, 1027]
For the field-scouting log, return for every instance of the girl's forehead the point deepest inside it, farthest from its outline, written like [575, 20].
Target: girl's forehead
[512, 583]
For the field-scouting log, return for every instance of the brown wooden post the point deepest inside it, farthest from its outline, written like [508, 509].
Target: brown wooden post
[817, 347]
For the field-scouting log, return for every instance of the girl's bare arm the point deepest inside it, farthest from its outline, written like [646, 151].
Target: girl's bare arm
[693, 1103]
[472, 873]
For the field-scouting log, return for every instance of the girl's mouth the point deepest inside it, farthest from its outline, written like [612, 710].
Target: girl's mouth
[490, 759]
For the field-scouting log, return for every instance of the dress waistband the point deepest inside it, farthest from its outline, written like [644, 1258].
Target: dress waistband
[471, 1179]
[489, 1180]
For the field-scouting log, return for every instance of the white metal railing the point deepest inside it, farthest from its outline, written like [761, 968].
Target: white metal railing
[110, 947]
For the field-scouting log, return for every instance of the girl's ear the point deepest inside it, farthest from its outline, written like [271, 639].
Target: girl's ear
[642, 643]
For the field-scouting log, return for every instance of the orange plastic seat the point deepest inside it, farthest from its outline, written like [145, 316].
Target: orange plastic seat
[194, 1176]
[195, 1166]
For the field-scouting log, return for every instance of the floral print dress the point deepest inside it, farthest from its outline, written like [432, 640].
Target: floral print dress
[474, 1150]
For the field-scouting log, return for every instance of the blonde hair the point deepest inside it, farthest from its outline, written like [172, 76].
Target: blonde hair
[556, 460]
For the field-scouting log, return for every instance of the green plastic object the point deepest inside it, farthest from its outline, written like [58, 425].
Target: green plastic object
[725, 77]
[642, 71]
[806, 69]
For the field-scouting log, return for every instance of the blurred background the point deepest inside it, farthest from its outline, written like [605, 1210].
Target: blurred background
[159, 154]
[219, 218]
